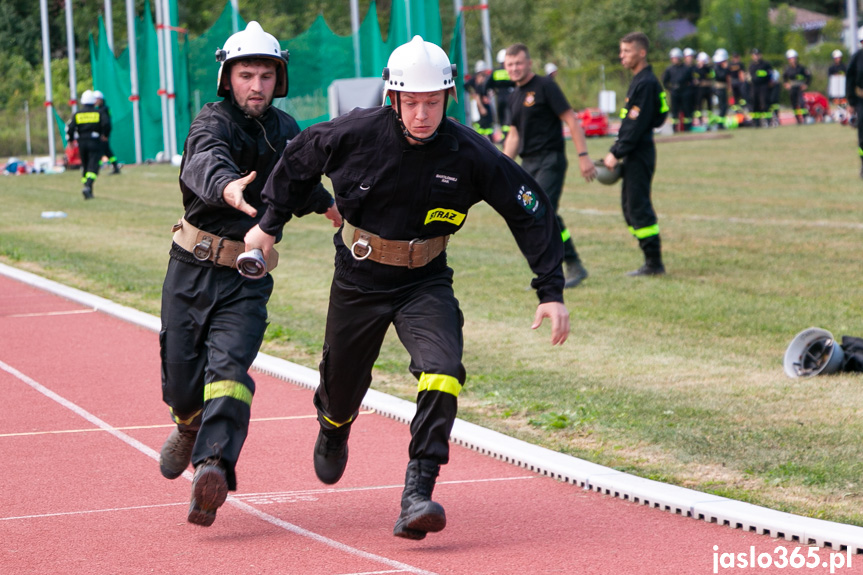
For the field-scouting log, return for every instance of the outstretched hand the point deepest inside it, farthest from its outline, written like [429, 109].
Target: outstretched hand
[256, 238]
[233, 194]
[559, 315]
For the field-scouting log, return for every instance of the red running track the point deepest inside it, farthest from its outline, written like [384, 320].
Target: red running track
[81, 422]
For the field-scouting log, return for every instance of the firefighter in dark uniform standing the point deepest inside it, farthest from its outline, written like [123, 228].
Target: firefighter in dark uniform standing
[88, 126]
[739, 87]
[645, 109]
[797, 79]
[721, 85]
[539, 108]
[677, 79]
[761, 77]
[702, 78]
[213, 319]
[404, 178]
[854, 95]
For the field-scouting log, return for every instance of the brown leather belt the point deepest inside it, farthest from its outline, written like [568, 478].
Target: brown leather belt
[410, 254]
[210, 247]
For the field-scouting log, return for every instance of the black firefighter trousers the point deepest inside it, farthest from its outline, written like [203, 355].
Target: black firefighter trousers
[213, 322]
[428, 322]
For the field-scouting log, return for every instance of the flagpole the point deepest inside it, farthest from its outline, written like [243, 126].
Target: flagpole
[70, 48]
[134, 97]
[46, 59]
[355, 32]
[169, 79]
[160, 40]
[109, 25]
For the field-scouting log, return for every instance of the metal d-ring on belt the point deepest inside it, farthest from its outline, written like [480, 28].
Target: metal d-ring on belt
[411, 254]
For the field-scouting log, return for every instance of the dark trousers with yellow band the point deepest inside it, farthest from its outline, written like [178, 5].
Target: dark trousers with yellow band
[549, 171]
[213, 322]
[428, 322]
[635, 199]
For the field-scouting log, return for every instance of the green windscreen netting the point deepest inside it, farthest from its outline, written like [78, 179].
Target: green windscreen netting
[318, 57]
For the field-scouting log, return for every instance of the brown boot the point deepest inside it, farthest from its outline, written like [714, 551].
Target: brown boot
[209, 492]
[177, 451]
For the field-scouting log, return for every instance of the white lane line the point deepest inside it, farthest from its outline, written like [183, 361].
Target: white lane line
[231, 500]
[91, 511]
[50, 313]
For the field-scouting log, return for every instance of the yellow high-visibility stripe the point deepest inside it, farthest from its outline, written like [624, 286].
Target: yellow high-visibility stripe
[228, 388]
[860, 151]
[647, 232]
[179, 421]
[437, 382]
[565, 235]
[87, 117]
[91, 175]
[335, 423]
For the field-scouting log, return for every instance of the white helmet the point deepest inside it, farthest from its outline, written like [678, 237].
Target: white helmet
[501, 55]
[688, 52]
[88, 98]
[837, 54]
[703, 57]
[253, 42]
[675, 53]
[419, 66]
[550, 69]
[480, 66]
[721, 55]
[790, 54]
[98, 95]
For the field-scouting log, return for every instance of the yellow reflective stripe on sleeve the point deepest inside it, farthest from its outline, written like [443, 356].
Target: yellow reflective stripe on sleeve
[87, 118]
[647, 232]
[860, 151]
[663, 102]
[336, 424]
[500, 74]
[623, 113]
[179, 421]
[565, 235]
[437, 382]
[228, 388]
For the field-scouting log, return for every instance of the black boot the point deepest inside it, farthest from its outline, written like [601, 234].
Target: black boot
[331, 454]
[652, 248]
[209, 492]
[420, 515]
[573, 273]
[87, 192]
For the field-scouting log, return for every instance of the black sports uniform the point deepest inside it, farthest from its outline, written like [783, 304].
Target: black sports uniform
[645, 109]
[213, 319]
[536, 108]
[385, 186]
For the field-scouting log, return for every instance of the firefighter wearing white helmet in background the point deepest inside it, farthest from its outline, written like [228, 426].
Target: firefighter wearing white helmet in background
[477, 87]
[213, 318]
[721, 85]
[501, 86]
[107, 151]
[796, 79]
[404, 177]
[691, 92]
[854, 95]
[739, 98]
[88, 126]
[836, 76]
[677, 80]
[702, 77]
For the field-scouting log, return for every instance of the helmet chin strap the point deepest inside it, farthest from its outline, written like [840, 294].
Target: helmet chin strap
[407, 132]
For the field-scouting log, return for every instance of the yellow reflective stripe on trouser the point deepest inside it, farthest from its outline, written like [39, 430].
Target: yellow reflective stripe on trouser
[437, 382]
[336, 424]
[228, 388]
[647, 232]
[179, 421]
[565, 235]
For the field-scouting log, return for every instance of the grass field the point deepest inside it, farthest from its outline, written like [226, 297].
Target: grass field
[676, 378]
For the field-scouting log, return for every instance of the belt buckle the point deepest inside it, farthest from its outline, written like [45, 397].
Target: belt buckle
[202, 249]
[411, 245]
[363, 243]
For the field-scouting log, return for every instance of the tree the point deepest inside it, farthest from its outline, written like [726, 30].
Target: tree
[740, 25]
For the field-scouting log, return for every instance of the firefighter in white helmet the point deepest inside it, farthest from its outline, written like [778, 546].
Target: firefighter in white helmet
[404, 178]
[106, 144]
[796, 78]
[213, 319]
[88, 126]
[702, 100]
[722, 85]
[677, 79]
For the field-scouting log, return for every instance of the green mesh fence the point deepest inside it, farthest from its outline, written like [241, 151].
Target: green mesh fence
[318, 57]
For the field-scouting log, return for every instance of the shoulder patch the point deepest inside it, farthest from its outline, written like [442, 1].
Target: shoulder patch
[634, 112]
